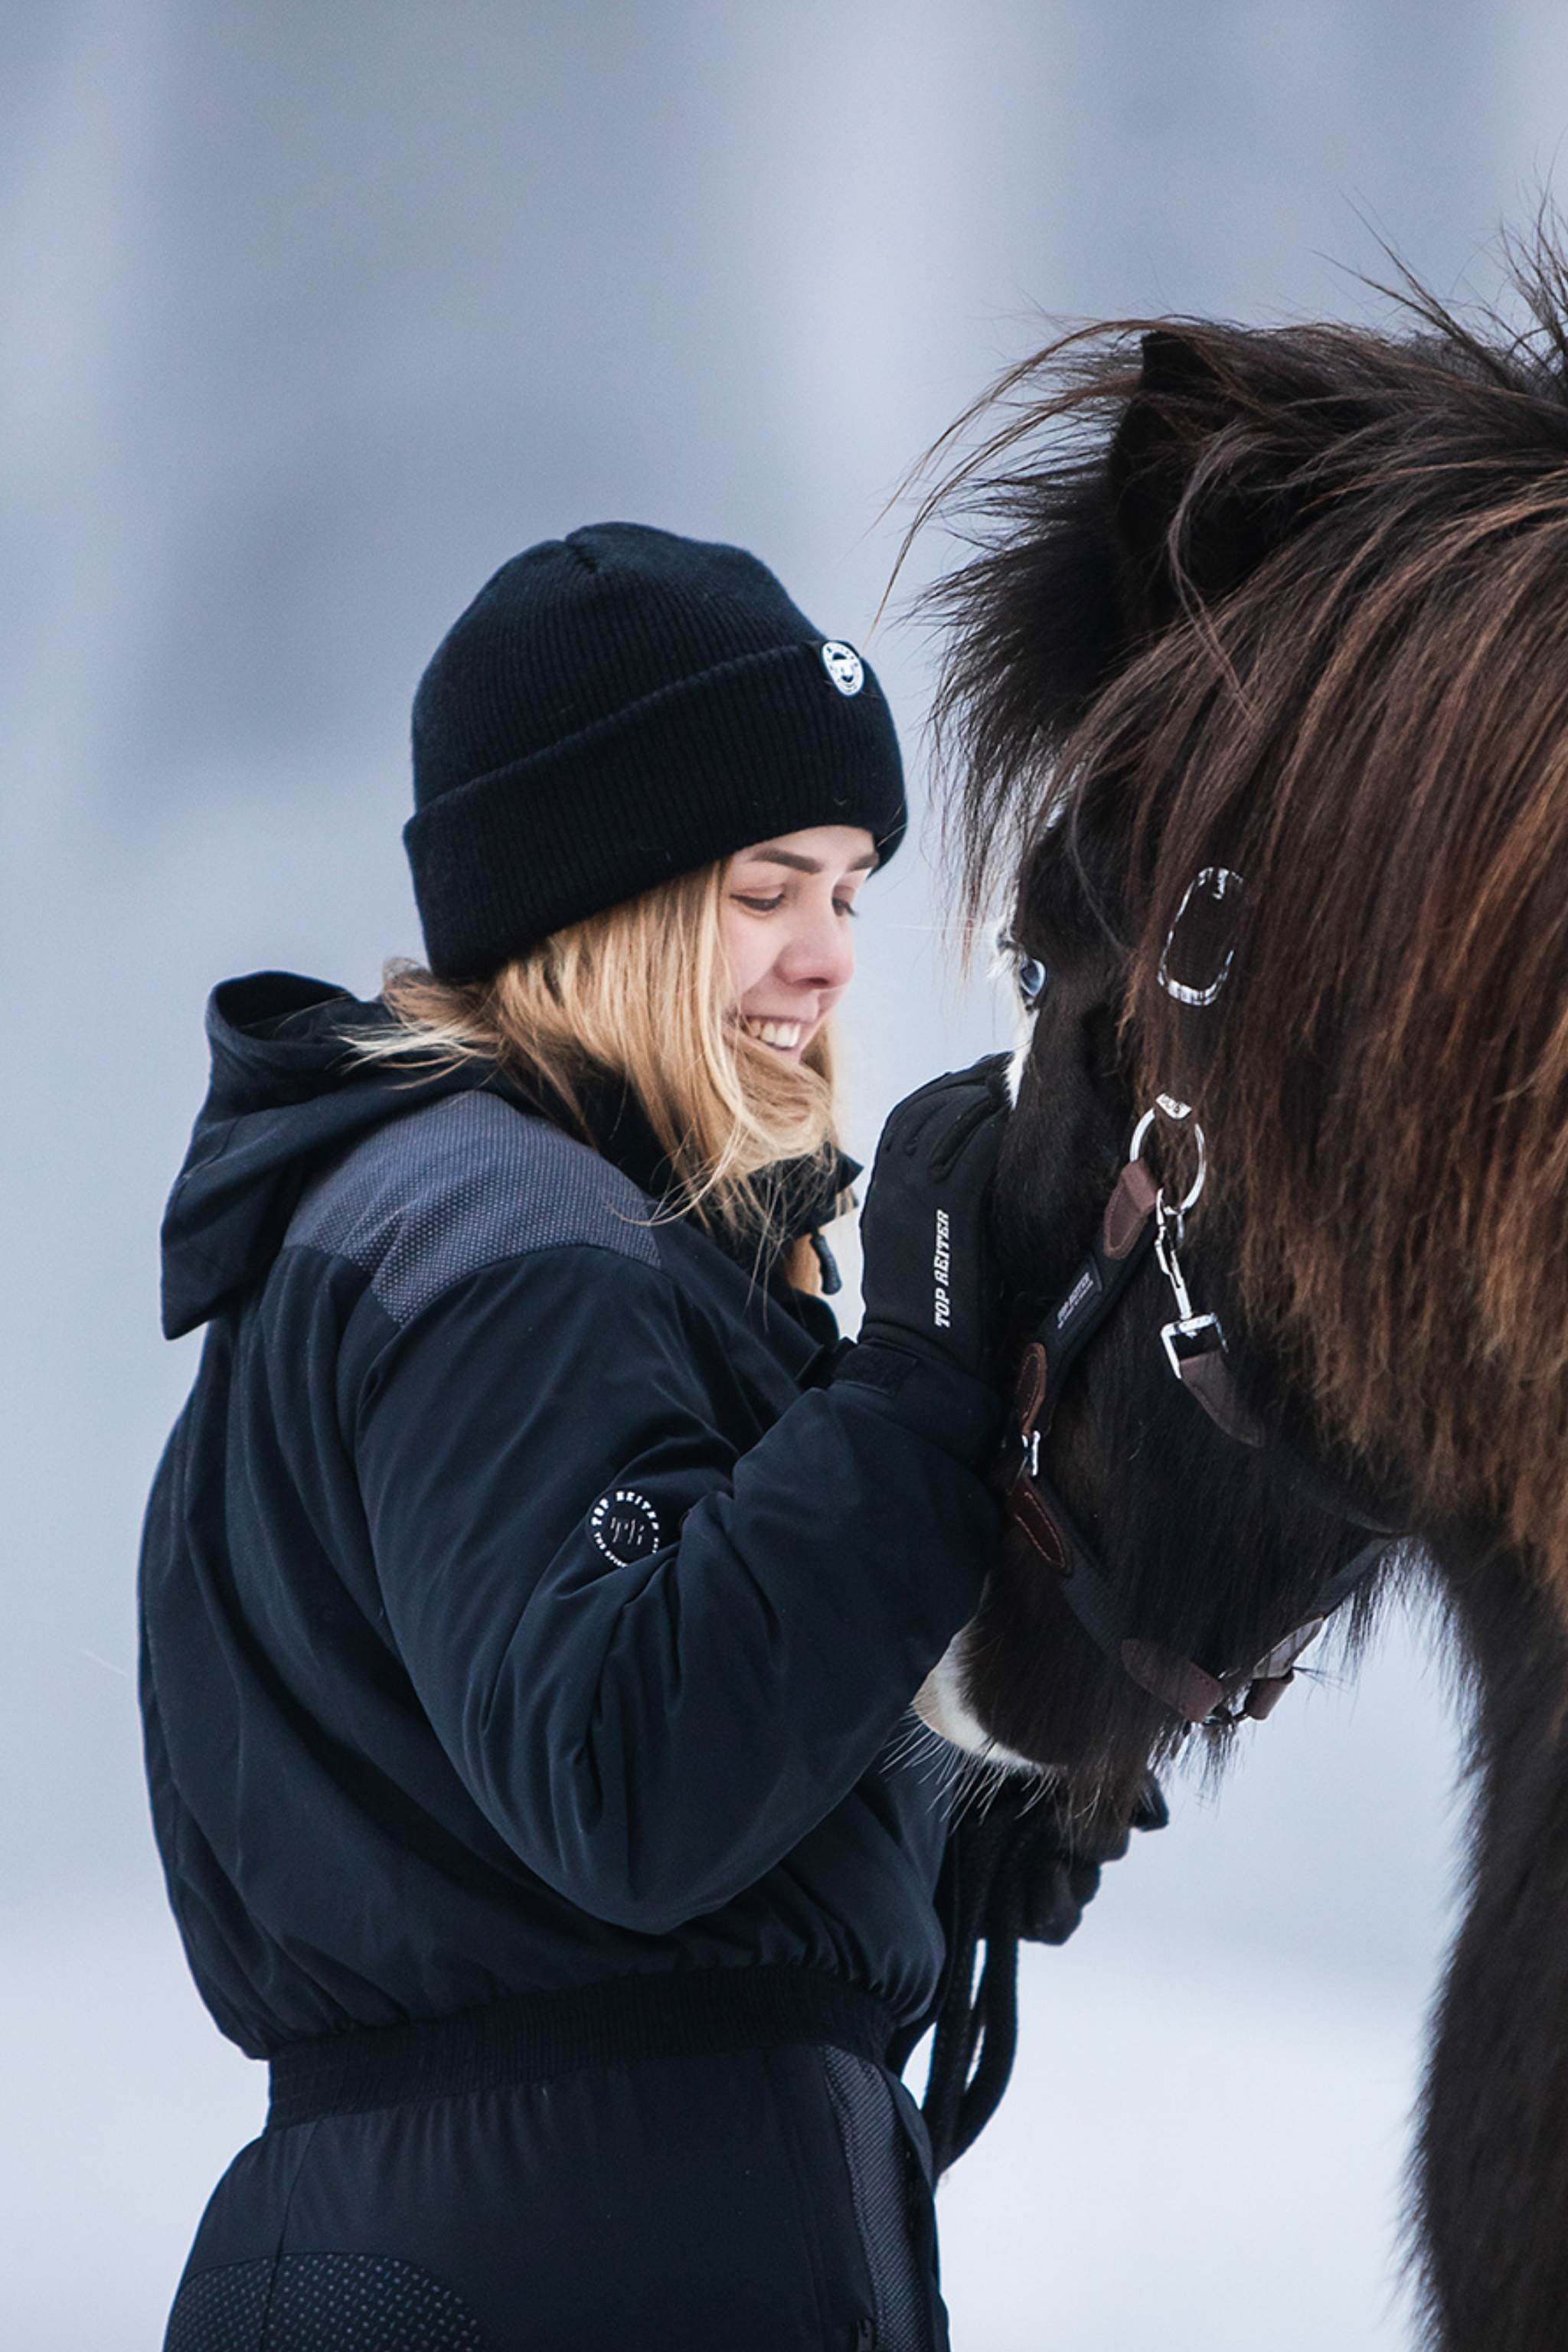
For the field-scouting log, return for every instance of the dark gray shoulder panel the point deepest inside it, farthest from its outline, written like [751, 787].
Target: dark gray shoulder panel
[432, 1197]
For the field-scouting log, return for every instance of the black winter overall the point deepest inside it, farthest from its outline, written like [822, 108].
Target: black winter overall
[533, 1600]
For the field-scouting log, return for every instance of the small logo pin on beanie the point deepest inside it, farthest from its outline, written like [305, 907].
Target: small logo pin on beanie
[844, 665]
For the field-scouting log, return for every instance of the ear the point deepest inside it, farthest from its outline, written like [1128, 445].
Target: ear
[1199, 486]
[1178, 406]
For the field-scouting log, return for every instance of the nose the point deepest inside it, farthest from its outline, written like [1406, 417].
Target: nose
[820, 950]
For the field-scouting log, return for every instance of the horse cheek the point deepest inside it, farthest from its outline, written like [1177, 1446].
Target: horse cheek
[1031, 1683]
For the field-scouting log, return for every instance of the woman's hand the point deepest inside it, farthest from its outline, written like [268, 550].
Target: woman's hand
[931, 1284]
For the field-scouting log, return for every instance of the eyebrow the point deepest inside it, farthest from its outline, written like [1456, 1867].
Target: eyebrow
[797, 865]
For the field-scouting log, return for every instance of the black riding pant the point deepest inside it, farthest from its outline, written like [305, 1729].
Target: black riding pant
[770, 2200]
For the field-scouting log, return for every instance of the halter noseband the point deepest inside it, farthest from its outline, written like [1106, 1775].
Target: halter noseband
[1137, 1217]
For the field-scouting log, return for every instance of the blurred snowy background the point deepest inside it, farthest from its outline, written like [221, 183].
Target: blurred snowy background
[313, 315]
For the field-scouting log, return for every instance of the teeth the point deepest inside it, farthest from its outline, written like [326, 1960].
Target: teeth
[784, 1033]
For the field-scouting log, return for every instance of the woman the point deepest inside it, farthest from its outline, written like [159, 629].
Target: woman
[532, 1590]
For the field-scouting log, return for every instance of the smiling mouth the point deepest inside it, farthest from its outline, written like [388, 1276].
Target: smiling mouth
[783, 1034]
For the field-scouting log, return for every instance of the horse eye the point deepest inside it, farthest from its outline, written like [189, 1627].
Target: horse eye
[1032, 977]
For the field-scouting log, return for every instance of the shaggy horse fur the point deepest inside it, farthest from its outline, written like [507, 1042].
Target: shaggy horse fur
[1294, 603]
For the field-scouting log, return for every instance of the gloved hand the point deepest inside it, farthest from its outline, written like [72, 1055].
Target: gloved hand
[931, 1284]
[1049, 1867]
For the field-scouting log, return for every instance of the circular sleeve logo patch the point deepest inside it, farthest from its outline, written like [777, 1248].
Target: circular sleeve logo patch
[625, 1526]
[843, 665]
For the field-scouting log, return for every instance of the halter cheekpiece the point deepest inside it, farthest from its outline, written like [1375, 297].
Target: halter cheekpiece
[1139, 1217]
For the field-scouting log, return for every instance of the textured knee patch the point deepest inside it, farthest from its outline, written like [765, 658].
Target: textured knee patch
[221, 2311]
[321, 2303]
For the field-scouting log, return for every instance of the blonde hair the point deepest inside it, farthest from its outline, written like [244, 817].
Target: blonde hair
[640, 992]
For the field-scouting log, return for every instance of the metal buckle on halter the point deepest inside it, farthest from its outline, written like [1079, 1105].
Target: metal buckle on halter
[1187, 1335]
[1190, 1336]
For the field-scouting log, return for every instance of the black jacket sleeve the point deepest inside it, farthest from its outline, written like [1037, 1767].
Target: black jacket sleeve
[654, 1708]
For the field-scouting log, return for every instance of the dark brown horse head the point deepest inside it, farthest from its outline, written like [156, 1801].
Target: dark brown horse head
[1288, 607]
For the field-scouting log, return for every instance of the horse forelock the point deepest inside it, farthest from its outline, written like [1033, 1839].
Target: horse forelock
[1355, 696]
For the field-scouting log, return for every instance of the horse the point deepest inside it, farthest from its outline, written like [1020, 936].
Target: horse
[1254, 702]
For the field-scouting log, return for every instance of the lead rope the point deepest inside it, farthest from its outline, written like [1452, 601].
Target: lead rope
[975, 2020]
[1017, 1870]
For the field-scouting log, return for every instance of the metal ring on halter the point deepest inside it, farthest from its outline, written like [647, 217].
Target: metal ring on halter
[1179, 1112]
[1215, 882]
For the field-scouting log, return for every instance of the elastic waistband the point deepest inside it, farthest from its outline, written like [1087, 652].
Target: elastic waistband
[529, 2037]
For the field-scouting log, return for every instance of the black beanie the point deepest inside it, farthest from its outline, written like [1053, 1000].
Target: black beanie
[618, 707]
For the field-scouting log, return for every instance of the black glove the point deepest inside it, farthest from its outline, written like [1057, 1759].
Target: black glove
[1048, 1866]
[931, 1284]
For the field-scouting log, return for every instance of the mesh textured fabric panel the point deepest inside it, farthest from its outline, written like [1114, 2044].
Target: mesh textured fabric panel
[430, 1198]
[879, 2160]
[220, 2311]
[365, 2303]
[321, 2303]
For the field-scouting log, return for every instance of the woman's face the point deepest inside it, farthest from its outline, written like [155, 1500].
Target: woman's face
[787, 920]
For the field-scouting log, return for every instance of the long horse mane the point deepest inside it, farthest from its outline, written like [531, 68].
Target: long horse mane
[1293, 602]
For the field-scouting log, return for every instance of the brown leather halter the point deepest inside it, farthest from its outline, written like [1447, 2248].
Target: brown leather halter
[1137, 1217]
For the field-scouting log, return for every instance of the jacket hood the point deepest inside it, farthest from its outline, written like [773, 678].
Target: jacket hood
[285, 1090]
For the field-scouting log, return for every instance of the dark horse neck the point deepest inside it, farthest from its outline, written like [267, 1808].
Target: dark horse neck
[1493, 2154]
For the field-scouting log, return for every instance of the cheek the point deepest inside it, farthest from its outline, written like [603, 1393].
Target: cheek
[844, 969]
[746, 951]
